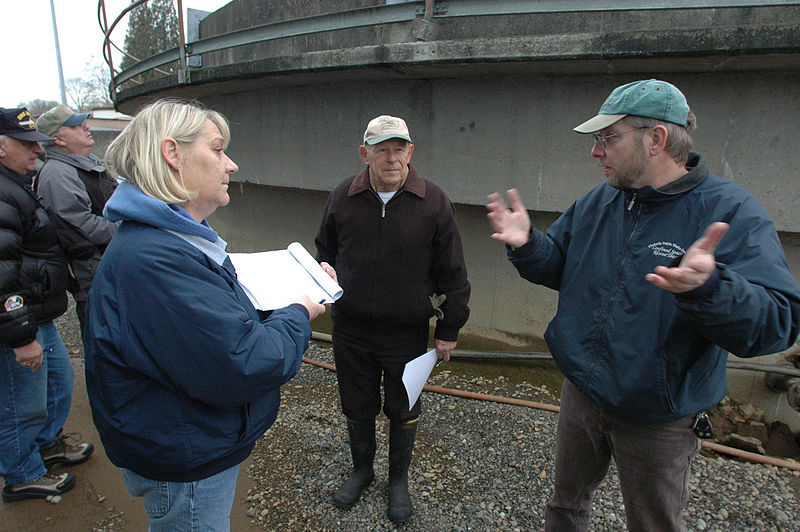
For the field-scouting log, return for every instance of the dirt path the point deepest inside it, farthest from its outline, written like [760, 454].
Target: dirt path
[99, 500]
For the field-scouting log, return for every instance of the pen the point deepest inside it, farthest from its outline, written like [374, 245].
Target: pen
[439, 362]
[322, 301]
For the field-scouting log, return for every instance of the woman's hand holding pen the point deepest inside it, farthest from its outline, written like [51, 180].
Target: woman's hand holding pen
[314, 309]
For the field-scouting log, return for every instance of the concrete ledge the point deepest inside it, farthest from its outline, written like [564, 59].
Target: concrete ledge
[714, 49]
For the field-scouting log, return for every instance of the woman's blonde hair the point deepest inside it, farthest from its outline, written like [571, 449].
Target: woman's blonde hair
[135, 155]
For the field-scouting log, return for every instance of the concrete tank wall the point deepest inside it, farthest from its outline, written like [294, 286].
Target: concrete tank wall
[491, 103]
[482, 134]
[504, 307]
[261, 217]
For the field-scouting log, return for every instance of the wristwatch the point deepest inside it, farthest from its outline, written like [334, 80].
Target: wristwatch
[13, 303]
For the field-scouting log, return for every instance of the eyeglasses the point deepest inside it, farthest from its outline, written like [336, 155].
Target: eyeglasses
[603, 139]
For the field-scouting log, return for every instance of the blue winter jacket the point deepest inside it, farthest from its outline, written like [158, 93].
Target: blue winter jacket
[182, 374]
[641, 352]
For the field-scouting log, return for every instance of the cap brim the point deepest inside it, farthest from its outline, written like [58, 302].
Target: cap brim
[31, 136]
[77, 119]
[598, 122]
[377, 140]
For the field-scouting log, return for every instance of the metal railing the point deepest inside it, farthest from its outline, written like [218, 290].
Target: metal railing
[373, 16]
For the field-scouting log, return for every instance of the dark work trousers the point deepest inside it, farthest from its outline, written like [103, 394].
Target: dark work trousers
[80, 310]
[653, 463]
[365, 352]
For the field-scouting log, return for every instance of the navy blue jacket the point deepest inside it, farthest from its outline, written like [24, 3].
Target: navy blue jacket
[182, 374]
[639, 351]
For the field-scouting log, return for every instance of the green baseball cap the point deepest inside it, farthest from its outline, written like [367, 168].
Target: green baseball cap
[58, 116]
[650, 98]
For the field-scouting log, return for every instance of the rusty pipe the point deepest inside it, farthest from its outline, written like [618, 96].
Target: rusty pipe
[716, 447]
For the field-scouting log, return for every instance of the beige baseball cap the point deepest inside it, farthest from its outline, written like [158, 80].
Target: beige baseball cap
[386, 127]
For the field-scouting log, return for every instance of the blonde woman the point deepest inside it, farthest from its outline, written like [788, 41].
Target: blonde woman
[183, 373]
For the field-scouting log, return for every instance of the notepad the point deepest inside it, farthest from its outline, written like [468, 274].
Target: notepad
[275, 279]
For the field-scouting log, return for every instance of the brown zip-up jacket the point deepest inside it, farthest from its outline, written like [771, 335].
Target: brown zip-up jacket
[391, 259]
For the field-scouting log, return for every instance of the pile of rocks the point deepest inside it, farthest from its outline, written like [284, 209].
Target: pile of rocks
[744, 427]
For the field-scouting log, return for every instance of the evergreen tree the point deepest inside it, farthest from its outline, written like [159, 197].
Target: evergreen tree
[152, 28]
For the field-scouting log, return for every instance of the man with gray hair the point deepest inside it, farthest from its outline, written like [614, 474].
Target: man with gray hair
[36, 375]
[75, 185]
[661, 271]
[393, 239]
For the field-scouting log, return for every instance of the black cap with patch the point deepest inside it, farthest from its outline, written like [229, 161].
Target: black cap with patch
[18, 124]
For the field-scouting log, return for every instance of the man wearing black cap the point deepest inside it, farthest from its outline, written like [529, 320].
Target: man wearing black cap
[661, 271]
[36, 376]
[75, 186]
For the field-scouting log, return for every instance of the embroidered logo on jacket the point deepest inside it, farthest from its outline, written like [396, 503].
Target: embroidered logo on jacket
[666, 249]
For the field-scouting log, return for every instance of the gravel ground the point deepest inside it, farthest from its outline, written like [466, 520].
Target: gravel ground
[477, 466]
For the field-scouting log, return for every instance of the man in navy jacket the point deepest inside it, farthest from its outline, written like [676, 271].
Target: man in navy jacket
[661, 271]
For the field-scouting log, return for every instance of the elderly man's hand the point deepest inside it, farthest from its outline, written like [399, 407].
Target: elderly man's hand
[30, 355]
[443, 348]
[327, 268]
[696, 266]
[512, 227]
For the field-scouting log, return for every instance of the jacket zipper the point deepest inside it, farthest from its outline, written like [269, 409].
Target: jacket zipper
[612, 300]
[633, 199]
[383, 205]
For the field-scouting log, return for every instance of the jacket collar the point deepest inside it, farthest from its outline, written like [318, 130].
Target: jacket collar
[414, 183]
[128, 202]
[21, 180]
[698, 172]
[91, 163]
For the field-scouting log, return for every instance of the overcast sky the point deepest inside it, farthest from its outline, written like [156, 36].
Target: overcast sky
[27, 47]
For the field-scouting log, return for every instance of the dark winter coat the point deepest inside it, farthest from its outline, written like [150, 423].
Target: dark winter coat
[32, 263]
[639, 351]
[182, 373]
[76, 190]
[391, 259]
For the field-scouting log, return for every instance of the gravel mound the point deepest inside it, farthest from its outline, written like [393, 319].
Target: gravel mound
[477, 466]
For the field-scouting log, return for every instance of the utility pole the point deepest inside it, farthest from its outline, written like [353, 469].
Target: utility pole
[58, 56]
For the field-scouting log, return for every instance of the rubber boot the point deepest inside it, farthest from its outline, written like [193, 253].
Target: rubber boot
[362, 448]
[401, 446]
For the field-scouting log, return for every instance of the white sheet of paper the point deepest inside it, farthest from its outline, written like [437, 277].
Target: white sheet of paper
[332, 289]
[416, 374]
[274, 279]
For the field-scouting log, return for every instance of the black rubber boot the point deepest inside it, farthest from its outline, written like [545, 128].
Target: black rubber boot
[362, 447]
[401, 446]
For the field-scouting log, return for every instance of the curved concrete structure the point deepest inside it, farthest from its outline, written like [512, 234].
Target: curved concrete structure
[491, 91]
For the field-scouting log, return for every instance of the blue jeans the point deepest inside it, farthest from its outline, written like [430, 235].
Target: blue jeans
[33, 406]
[202, 505]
